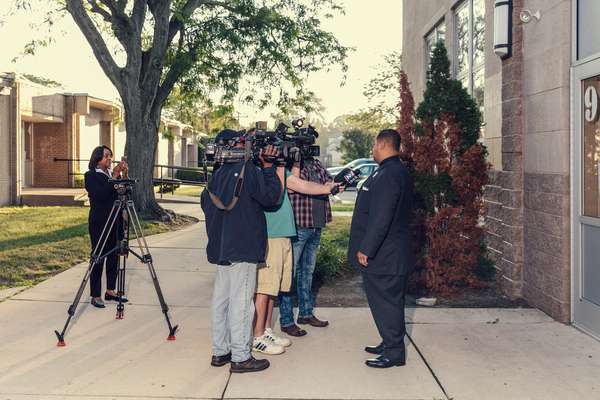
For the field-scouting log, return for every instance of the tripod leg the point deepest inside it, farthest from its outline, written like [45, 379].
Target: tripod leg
[71, 311]
[95, 258]
[122, 266]
[147, 259]
[121, 287]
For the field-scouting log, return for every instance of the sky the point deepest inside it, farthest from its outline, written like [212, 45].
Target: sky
[373, 28]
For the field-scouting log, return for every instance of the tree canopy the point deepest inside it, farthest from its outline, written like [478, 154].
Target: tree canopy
[356, 144]
[205, 47]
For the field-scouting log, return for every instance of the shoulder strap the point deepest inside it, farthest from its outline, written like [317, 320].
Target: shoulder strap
[236, 193]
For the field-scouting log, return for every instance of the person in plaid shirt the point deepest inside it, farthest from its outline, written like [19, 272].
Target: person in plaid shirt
[311, 213]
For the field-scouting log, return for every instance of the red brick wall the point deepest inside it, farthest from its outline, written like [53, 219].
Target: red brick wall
[50, 141]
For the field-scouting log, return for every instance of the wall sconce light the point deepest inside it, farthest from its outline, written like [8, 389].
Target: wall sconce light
[527, 15]
[5, 90]
[503, 28]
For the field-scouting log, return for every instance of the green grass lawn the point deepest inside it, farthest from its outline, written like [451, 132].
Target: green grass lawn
[187, 190]
[184, 190]
[39, 242]
[342, 207]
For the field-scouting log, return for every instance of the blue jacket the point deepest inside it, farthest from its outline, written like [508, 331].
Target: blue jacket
[239, 235]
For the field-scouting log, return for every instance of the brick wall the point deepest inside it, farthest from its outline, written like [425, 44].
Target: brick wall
[504, 195]
[547, 273]
[527, 218]
[50, 141]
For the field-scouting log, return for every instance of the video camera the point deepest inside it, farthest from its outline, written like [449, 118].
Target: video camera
[291, 146]
[304, 138]
[123, 186]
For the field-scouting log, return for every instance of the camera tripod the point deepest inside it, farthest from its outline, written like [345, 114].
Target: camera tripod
[123, 206]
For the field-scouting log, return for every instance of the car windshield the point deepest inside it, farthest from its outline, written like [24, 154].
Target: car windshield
[357, 162]
[366, 170]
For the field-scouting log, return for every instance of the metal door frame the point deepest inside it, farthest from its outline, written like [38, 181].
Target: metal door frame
[585, 315]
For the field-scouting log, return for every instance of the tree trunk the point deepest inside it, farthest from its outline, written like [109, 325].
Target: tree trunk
[140, 147]
[206, 124]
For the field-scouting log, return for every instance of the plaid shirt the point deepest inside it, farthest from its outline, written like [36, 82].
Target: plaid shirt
[302, 203]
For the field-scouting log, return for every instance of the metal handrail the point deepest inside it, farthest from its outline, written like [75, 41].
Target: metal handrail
[173, 181]
[69, 172]
[169, 181]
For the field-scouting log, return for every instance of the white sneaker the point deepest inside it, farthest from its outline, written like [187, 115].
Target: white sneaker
[279, 341]
[266, 346]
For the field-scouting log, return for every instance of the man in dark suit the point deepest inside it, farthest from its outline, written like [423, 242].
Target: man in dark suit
[380, 246]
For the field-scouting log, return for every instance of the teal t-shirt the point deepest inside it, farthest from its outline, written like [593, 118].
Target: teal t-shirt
[280, 220]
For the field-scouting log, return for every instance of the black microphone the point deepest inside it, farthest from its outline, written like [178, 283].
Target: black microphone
[346, 177]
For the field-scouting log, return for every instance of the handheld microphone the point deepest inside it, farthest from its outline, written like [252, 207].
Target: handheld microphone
[346, 177]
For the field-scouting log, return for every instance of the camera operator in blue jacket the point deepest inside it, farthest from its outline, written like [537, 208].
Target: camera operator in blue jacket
[234, 203]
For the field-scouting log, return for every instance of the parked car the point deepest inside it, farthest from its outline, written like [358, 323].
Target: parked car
[352, 164]
[365, 171]
[361, 182]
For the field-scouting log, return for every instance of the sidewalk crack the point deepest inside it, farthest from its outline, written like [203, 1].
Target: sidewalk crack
[226, 386]
[429, 367]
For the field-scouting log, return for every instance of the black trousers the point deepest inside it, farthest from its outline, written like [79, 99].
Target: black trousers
[95, 229]
[385, 294]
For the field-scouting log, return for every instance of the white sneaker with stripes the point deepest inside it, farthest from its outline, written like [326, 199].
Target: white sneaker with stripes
[266, 346]
[284, 342]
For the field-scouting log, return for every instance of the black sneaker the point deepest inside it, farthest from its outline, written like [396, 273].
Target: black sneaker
[250, 365]
[219, 361]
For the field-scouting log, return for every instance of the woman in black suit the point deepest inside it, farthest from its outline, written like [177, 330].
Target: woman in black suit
[102, 195]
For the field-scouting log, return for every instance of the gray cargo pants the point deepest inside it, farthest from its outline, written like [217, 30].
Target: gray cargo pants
[233, 310]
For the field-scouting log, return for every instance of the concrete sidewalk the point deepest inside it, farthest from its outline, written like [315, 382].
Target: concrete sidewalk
[452, 353]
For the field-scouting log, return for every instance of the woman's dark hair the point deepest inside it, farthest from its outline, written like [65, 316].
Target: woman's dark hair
[97, 156]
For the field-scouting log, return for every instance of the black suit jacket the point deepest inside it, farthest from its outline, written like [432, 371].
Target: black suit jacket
[381, 221]
[101, 194]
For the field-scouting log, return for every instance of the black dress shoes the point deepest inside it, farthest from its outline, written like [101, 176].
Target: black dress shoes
[375, 349]
[98, 303]
[219, 361]
[250, 365]
[293, 330]
[384, 362]
[312, 321]
[109, 297]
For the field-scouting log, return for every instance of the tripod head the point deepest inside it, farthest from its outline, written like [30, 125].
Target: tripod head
[124, 187]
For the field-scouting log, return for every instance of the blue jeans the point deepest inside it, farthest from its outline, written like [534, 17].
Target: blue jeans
[305, 246]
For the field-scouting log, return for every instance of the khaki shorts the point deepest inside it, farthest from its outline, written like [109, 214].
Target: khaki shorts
[276, 273]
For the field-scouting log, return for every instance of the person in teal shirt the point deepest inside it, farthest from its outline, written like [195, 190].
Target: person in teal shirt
[276, 274]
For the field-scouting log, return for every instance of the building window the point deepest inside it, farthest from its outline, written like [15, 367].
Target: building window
[435, 35]
[469, 53]
[588, 28]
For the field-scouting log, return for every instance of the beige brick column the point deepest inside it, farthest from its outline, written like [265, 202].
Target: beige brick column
[504, 195]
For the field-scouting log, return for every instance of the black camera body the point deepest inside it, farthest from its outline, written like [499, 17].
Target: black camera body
[305, 138]
[124, 187]
[291, 147]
